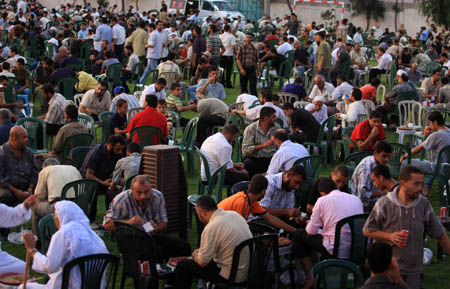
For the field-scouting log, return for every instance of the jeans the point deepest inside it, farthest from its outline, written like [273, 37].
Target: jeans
[426, 167]
[152, 64]
[192, 92]
[302, 70]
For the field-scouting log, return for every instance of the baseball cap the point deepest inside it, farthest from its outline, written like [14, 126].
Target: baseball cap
[119, 89]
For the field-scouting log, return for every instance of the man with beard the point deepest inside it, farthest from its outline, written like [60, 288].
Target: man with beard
[405, 209]
[140, 205]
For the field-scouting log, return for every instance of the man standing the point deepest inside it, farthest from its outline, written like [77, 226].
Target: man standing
[118, 39]
[198, 47]
[226, 58]
[138, 39]
[405, 209]
[96, 101]
[293, 25]
[214, 45]
[362, 184]
[104, 32]
[322, 62]
[247, 61]
[154, 46]
[287, 153]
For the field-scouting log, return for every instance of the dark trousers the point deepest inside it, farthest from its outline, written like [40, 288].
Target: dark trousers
[325, 72]
[256, 165]
[299, 137]
[250, 78]
[304, 245]
[374, 72]
[227, 63]
[205, 126]
[118, 50]
[51, 129]
[168, 247]
[187, 270]
[232, 178]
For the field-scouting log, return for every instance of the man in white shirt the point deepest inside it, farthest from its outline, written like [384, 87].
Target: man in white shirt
[329, 209]
[325, 89]
[284, 47]
[318, 109]
[287, 153]
[118, 39]
[247, 99]
[353, 107]
[218, 151]
[343, 88]
[384, 63]
[154, 49]
[226, 58]
[156, 89]
[22, 5]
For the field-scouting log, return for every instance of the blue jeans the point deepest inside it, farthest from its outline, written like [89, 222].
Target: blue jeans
[302, 70]
[192, 92]
[152, 64]
[426, 167]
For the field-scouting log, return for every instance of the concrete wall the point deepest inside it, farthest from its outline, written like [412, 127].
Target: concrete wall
[311, 12]
[144, 5]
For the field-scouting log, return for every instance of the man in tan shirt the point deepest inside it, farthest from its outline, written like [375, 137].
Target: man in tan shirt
[138, 39]
[223, 232]
[96, 101]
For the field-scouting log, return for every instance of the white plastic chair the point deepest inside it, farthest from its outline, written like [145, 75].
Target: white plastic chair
[301, 104]
[368, 105]
[286, 97]
[340, 105]
[380, 96]
[410, 111]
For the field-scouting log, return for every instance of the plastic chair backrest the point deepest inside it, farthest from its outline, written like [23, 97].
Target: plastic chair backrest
[9, 92]
[50, 49]
[31, 124]
[88, 121]
[146, 135]
[340, 105]
[334, 273]
[355, 158]
[286, 97]
[239, 121]
[430, 67]
[381, 92]
[47, 228]
[368, 105]
[259, 229]
[105, 118]
[444, 186]
[360, 118]
[114, 73]
[346, 145]
[394, 161]
[300, 104]
[187, 142]
[74, 141]
[329, 123]
[214, 180]
[170, 77]
[410, 111]
[347, 131]
[237, 106]
[92, 269]
[312, 165]
[359, 242]
[78, 155]
[84, 193]
[132, 112]
[128, 182]
[240, 187]
[443, 157]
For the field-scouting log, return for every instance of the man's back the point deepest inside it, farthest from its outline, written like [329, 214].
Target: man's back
[381, 282]
[69, 129]
[304, 120]
[149, 116]
[52, 179]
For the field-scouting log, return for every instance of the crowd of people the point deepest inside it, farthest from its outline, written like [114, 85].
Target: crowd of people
[182, 66]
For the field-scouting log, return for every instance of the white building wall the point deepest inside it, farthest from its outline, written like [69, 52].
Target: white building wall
[144, 5]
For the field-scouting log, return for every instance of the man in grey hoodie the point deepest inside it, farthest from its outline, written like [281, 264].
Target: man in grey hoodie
[406, 209]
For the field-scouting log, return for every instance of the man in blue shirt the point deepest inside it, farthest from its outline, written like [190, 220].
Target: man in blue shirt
[83, 31]
[296, 88]
[104, 32]
[5, 125]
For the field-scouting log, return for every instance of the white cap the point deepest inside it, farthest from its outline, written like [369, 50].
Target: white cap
[319, 98]
[400, 72]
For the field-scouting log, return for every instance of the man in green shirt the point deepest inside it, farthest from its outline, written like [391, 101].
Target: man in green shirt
[322, 63]
[174, 103]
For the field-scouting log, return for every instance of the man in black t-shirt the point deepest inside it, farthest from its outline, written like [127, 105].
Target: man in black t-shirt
[304, 125]
[293, 25]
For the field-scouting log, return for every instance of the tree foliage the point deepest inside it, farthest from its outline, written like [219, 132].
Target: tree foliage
[372, 9]
[436, 11]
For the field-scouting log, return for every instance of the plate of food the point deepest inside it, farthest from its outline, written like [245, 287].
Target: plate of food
[12, 278]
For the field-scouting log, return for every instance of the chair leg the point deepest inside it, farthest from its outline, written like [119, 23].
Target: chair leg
[124, 277]
[190, 159]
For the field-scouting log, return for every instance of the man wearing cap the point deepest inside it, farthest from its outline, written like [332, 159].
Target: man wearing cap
[119, 93]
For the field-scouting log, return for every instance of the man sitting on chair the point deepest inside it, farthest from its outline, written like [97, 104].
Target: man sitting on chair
[368, 132]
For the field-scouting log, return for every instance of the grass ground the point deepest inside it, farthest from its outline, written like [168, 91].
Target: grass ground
[436, 275]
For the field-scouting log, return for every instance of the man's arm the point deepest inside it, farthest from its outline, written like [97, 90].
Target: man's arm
[395, 237]
[444, 242]
[277, 223]
[287, 213]
[204, 87]
[90, 175]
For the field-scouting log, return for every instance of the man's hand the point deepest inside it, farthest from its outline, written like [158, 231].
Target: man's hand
[239, 166]
[393, 272]
[195, 253]
[243, 72]
[19, 105]
[108, 183]
[293, 213]
[319, 69]
[136, 220]
[398, 239]
[428, 130]
[268, 143]
[31, 202]
[211, 79]
[375, 132]
[21, 195]
[29, 240]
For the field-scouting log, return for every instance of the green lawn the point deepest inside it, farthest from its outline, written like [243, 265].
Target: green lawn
[436, 272]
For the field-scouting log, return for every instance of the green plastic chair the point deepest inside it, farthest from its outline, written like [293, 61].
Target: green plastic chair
[443, 157]
[187, 142]
[9, 92]
[320, 143]
[78, 155]
[105, 119]
[74, 141]
[239, 121]
[444, 186]
[137, 71]
[176, 119]
[66, 87]
[355, 158]
[75, 66]
[312, 165]
[50, 49]
[394, 161]
[345, 143]
[114, 75]
[84, 193]
[31, 124]
[430, 67]
[47, 228]
[358, 247]
[128, 182]
[31, 47]
[285, 73]
[89, 122]
[239, 149]
[334, 274]
[145, 134]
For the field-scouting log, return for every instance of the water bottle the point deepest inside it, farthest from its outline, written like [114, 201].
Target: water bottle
[433, 100]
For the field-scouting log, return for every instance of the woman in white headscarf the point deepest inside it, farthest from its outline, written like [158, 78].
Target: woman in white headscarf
[73, 239]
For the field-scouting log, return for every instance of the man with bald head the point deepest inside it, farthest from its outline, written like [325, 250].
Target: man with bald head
[18, 171]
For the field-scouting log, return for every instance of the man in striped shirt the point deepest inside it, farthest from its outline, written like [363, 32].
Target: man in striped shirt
[119, 93]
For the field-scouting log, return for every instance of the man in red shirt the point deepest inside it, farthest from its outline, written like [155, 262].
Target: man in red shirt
[369, 91]
[368, 132]
[150, 116]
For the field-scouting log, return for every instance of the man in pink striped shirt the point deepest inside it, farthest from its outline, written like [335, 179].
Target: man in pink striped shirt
[329, 209]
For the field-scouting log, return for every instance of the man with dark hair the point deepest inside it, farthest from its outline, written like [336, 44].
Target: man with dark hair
[223, 232]
[54, 118]
[109, 59]
[332, 207]
[118, 38]
[210, 87]
[403, 86]
[430, 85]
[198, 47]
[257, 144]
[384, 63]
[339, 175]
[296, 88]
[211, 112]
[322, 62]
[405, 209]
[384, 272]
[247, 62]
[22, 77]
[438, 138]
[149, 116]
[247, 202]
[99, 165]
[362, 185]
[369, 91]
[368, 132]
[218, 151]
[157, 88]
[96, 101]
[304, 125]
[279, 199]
[138, 39]
[382, 180]
[214, 44]
[226, 58]
[353, 107]
[287, 153]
